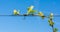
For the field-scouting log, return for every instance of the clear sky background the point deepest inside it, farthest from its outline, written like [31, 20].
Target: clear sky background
[31, 23]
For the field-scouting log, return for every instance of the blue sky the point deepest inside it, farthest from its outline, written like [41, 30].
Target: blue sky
[31, 23]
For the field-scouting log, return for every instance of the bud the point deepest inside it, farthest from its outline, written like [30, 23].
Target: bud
[51, 14]
[55, 29]
[41, 14]
[16, 12]
[51, 22]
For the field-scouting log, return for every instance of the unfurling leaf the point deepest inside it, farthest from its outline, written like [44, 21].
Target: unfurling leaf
[30, 10]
